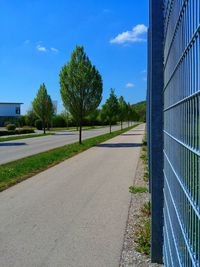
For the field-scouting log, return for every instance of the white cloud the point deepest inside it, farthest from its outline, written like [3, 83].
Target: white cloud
[41, 48]
[137, 34]
[55, 50]
[130, 85]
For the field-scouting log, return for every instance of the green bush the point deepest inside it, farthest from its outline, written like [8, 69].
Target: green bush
[11, 127]
[20, 131]
[3, 133]
[38, 124]
[6, 123]
[59, 121]
[25, 131]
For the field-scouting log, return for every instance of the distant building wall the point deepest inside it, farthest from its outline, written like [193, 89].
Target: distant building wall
[9, 112]
[10, 109]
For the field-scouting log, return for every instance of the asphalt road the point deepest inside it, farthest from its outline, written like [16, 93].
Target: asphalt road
[13, 150]
[74, 214]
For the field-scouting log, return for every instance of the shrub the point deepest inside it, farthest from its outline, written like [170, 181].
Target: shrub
[59, 121]
[6, 123]
[3, 133]
[11, 127]
[22, 121]
[25, 131]
[38, 124]
[20, 131]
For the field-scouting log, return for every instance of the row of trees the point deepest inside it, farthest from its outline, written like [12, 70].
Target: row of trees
[81, 89]
[117, 110]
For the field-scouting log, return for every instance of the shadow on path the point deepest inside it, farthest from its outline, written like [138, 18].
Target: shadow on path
[131, 134]
[119, 145]
[13, 144]
[56, 134]
[138, 130]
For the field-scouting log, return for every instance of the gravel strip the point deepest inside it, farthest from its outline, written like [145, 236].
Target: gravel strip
[129, 256]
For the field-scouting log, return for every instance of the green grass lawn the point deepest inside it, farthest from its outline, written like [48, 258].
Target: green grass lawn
[19, 170]
[11, 138]
[57, 129]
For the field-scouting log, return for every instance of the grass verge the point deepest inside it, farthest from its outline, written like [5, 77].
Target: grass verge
[137, 189]
[143, 226]
[19, 170]
[143, 230]
[144, 158]
[84, 128]
[11, 138]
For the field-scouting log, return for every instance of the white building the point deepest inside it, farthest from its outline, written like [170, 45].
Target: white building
[9, 112]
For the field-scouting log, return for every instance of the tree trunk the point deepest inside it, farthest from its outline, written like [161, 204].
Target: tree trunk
[80, 133]
[110, 128]
[44, 127]
[121, 125]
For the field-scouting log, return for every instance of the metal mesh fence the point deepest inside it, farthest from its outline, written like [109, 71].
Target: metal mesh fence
[181, 133]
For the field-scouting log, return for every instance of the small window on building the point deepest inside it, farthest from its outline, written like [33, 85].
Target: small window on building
[18, 110]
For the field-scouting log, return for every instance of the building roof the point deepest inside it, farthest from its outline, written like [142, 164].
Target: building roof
[11, 103]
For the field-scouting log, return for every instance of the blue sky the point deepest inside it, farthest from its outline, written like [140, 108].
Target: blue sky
[38, 36]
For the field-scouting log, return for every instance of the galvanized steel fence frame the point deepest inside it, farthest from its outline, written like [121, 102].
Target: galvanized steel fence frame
[180, 130]
[181, 94]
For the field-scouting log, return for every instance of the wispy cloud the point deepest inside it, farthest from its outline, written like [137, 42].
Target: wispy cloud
[144, 71]
[137, 34]
[26, 42]
[53, 49]
[41, 48]
[44, 49]
[130, 85]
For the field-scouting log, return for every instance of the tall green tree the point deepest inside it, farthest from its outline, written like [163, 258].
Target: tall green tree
[49, 112]
[80, 87]
[122, 110]
[43, 107]
[134, 115]
[30, 117]
[110, 109]
[140, 109]
[131, 114]
[128, 113]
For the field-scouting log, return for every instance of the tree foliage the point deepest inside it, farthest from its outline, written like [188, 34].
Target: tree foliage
[110, 109]
[122, 110]
[131, 114]
[140, 109]
[80, 86]
[43, 107]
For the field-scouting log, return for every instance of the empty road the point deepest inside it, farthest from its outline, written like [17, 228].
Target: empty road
[13, 150]
[74, 214]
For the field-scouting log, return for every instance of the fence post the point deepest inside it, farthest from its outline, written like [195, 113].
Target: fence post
[155, 126]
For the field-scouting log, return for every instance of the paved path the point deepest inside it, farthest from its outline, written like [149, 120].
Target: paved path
[13, 150]
[74, 214]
